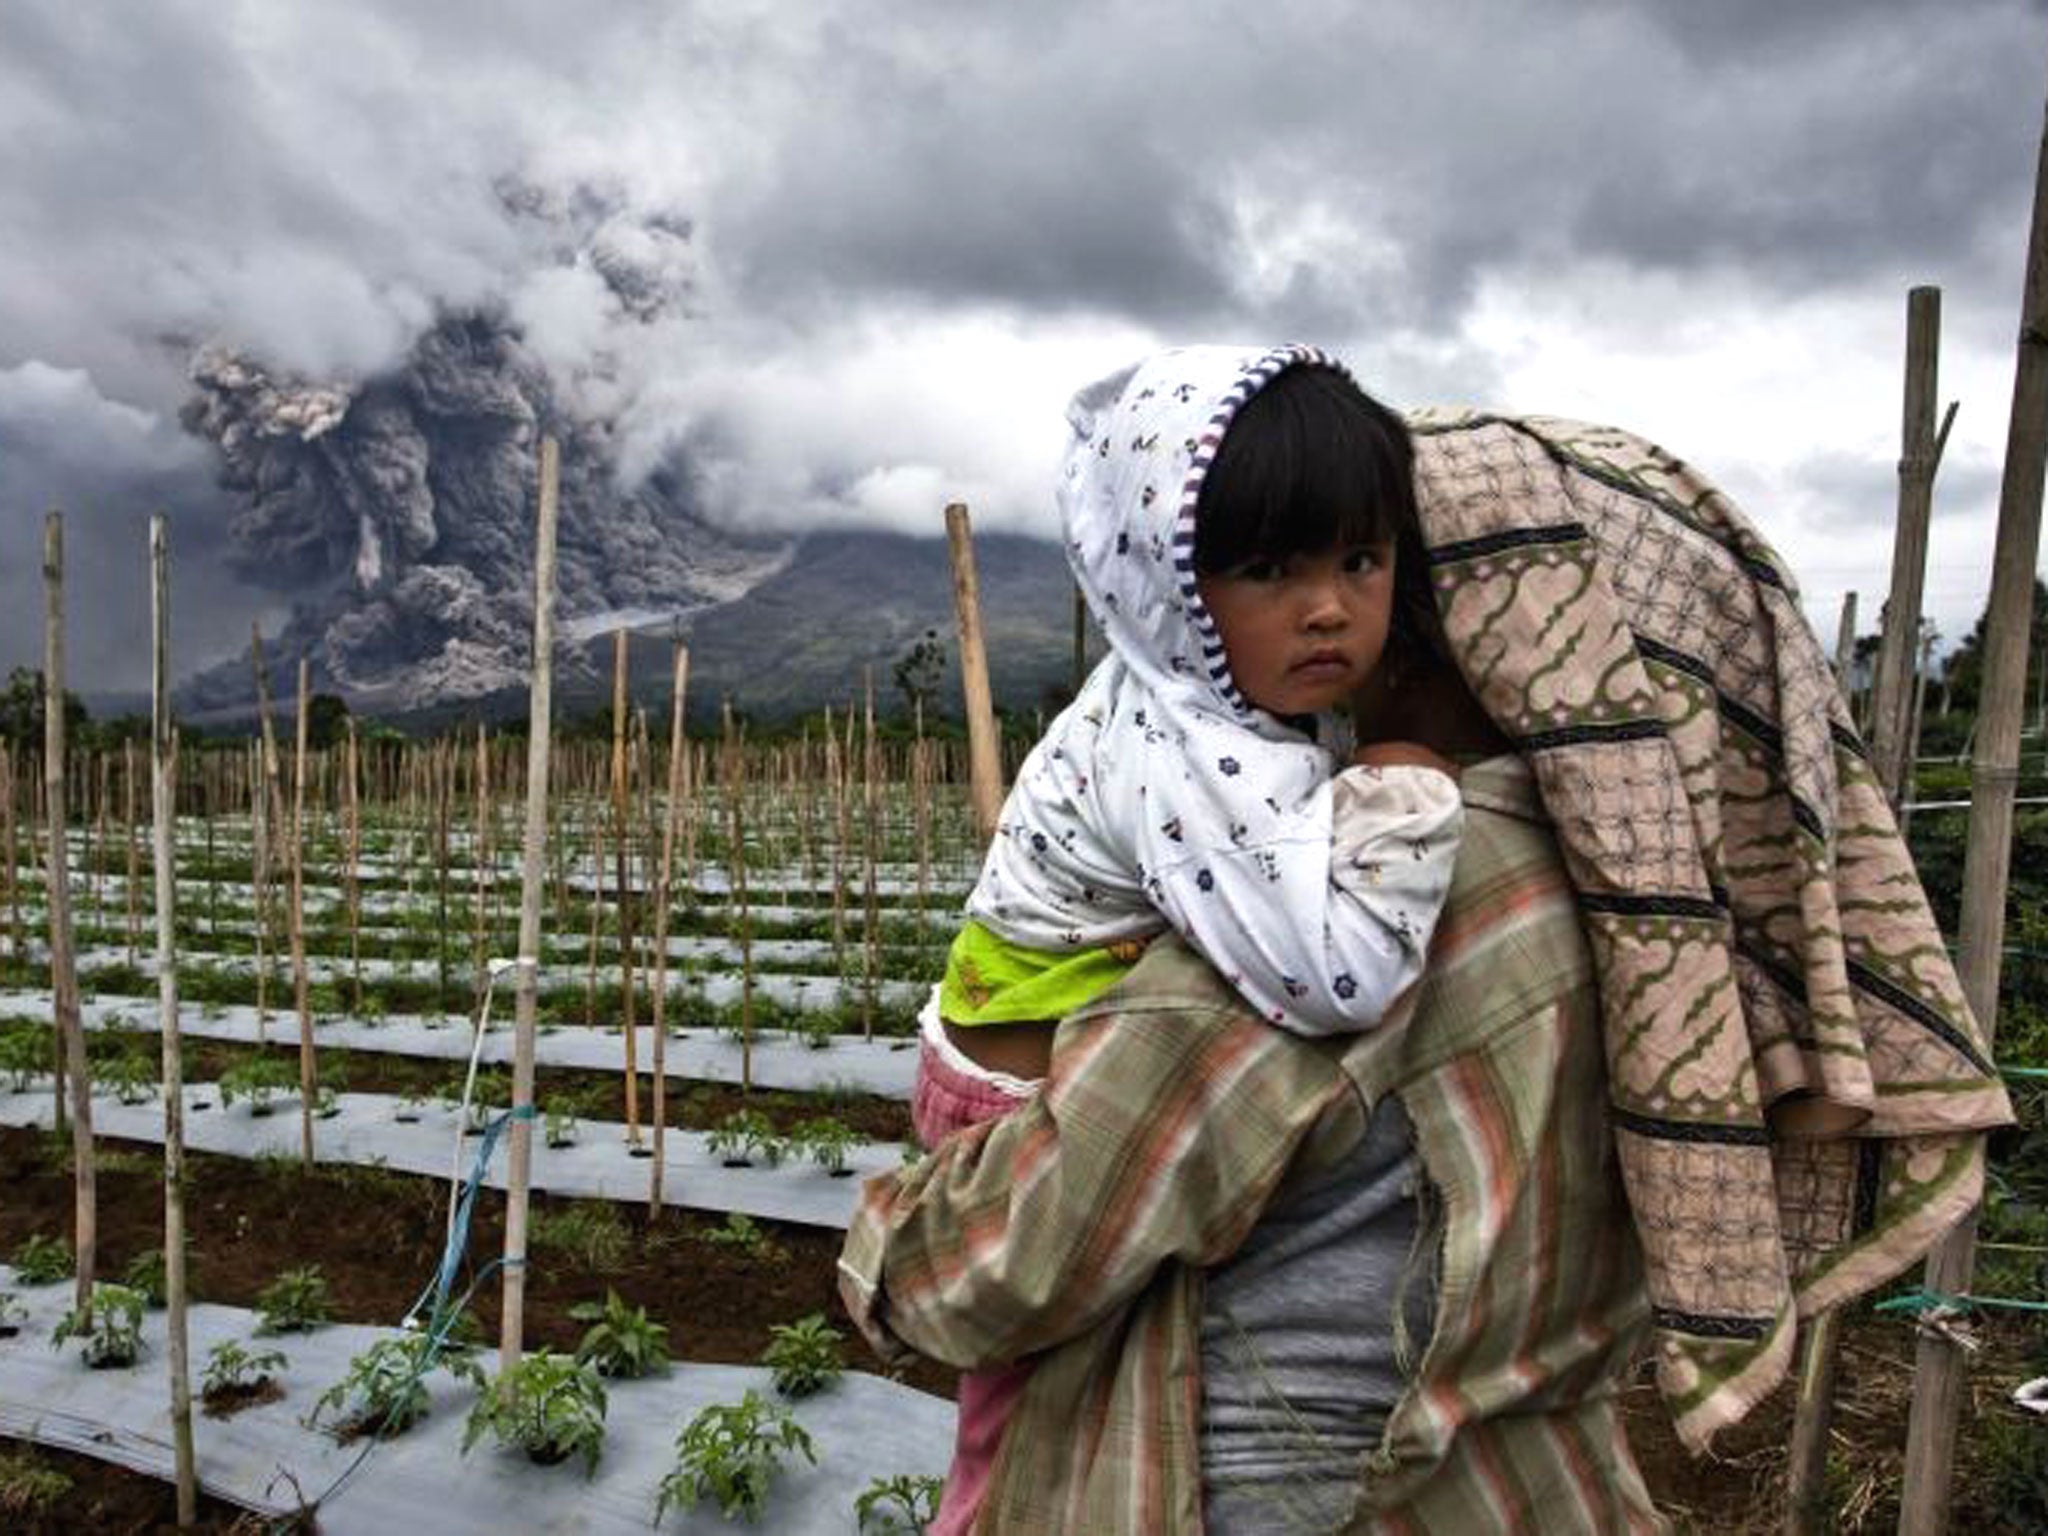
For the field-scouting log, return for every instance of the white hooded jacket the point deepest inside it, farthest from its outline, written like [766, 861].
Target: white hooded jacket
[1160, 795]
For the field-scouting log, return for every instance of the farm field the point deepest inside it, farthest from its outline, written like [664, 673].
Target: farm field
[807, 913]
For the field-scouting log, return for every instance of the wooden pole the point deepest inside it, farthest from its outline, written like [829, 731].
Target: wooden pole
[835, 769]
[441, 765]
[1845, 651]
[735, 780]
[1938, 1367]
[351, 877]
[625, 907]
[680, 662]
[63, 965]
[129, 819]
[16, 948]
[526, 1006]
[985, 768]
[163, 804]
[270, 802]
[479, 853]
[309, 1082]
[1892, 694]
[870, 852]
[1806, 1509]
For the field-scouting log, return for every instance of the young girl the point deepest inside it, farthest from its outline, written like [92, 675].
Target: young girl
[1244, 527]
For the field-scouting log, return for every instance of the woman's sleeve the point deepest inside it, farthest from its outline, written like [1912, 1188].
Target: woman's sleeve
[1160, 1135]
[1322, 927]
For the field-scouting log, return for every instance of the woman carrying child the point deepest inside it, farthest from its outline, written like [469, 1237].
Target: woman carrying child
[1244, 528]
[1687, 1063]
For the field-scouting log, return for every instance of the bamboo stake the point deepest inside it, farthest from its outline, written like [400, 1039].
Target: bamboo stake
[1938, 1367]
[871, 807]
[270, 804]
[1806, 1511]
[7, 793]
[1891, 695]
[735, 777]
[96, 836]
[134, 849]
[163, 803]
[596, 917]
[351, 883]
[984, 750]
[526, 1006]
[920, 808]
[479, 852]
[680, 665]
[625, 900]
[309, 1086]
[835, 769]
[63, 967]
[1845, 651]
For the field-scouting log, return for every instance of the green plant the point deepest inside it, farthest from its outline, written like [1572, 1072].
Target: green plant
[827, 1140]
[110, 1328]
[129, 1073]
[804, 1355]
[145, 1274]
[591, 1232]
[2017, 1478]
[383, 1393]
[746, 1136]
[25, 1053]
[297, 1301]
[731, 1453]
[622, 1341]
[259, 1079]
[903, 1505]
[549, 1406]
[231, 1369]
[41, 1260]
[27, 1487]
[741, 1231]
[559, 1127]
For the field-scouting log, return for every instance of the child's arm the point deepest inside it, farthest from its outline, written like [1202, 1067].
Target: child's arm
[1323, 922]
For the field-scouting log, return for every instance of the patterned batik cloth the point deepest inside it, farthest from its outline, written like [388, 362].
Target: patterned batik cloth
[1798, 1089]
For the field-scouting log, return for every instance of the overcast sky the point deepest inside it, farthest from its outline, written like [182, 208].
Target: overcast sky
[915, 229]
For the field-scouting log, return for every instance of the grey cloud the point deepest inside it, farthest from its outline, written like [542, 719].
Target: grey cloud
[107, 467]
[667, 197]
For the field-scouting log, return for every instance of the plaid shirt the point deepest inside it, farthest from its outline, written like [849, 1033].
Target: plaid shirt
[1078, 1227]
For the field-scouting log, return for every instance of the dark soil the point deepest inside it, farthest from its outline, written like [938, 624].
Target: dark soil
[377, 1235]
[105, 1500]
[229, 1401]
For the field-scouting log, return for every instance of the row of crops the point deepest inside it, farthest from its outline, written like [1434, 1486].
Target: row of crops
[770, 935]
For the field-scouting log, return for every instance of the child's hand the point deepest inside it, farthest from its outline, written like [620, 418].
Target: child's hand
[1398, 754]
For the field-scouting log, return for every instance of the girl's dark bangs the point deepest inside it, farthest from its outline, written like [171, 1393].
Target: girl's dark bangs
[1308, 463]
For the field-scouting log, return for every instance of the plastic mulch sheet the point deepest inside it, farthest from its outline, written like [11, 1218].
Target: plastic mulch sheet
[265, 1457]
[365, 1131]
[883, 1066]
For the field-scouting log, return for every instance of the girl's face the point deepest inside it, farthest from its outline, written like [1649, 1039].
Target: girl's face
[1302, 633]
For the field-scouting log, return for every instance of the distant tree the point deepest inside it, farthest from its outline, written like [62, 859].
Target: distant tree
[21, 709]
[326, 718]
[1963, 674]
[920, 670]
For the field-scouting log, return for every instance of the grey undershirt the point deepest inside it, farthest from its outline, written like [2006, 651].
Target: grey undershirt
[1299, 1357]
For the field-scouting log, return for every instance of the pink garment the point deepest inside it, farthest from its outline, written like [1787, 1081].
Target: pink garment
[944, 1100]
